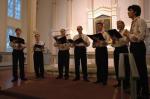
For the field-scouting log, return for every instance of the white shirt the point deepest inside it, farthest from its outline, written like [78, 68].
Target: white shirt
[38, 43]
[84, 37]
[138, 30]
[122, 41]
[62, 47]
[17, 46]
[102, 43]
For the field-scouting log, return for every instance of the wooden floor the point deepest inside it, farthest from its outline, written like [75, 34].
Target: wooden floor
[50, 88]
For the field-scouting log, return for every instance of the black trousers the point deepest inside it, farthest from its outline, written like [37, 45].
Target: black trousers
[63, 62]
[117, 51]
[139, 53]
[38, 63]
[101, 57]
[18, 56]
[80, 55]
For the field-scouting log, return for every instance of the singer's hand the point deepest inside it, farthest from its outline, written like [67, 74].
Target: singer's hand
[114, 38]
[61, 46]
[134, 38]
[67, 34]
[16, 45]
[126, 33]
[97, 43]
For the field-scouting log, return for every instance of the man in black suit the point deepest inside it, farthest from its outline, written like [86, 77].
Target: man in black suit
[18, 46]
[81, 42]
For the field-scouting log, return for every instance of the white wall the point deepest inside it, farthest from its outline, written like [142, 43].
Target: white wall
[24, 21]
[122, 12]
[61, 14]
[5, 21]
[147, 9]
[44, 20]
[102, 3]
[147, 18]
[2, 24]
[79, 14]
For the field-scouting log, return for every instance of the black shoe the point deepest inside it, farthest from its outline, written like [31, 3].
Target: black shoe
[86, 80]
[127, 90]
[117, 85]
[104, 83]
[140, 97]
[24, 79]
[42, 77]
[59, 77]
[76, 79]
[37, 77]
[97, 82]
[14, 80]
[66, 77]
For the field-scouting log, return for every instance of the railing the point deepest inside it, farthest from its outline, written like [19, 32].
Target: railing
[5, 59]
[90, 58]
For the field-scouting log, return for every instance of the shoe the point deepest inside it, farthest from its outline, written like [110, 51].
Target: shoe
[140, 97]
[127, 90]
[42, 77]
[97, 82]
[37, 77]
[117, 85]
[59, 77]
[67, 77]
[86, 80]
[14, 80]
[104, 83]
[24, 79]
[76, 79]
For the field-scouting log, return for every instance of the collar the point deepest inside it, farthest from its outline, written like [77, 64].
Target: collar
[101, 32]
[135, 19]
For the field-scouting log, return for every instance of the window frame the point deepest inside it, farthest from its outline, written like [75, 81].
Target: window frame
[16, 10]
[12, 29]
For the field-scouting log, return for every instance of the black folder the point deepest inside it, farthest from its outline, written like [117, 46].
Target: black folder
[96, 37]
[70, 41]
[114, 33]
[61, 40]
[38, 46]
[79, 40]
[12, 38]
[16, 39]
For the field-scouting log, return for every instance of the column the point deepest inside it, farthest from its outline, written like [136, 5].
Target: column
[32, 6]
[3, 24]
[114, 13]
[93, 21]
[69, 20]
[54, 25]
[69, 16]
[54, 15]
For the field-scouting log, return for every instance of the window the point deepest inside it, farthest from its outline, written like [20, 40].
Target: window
[18, 9]
[14, 9]
[10, 8]
[10, 31]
